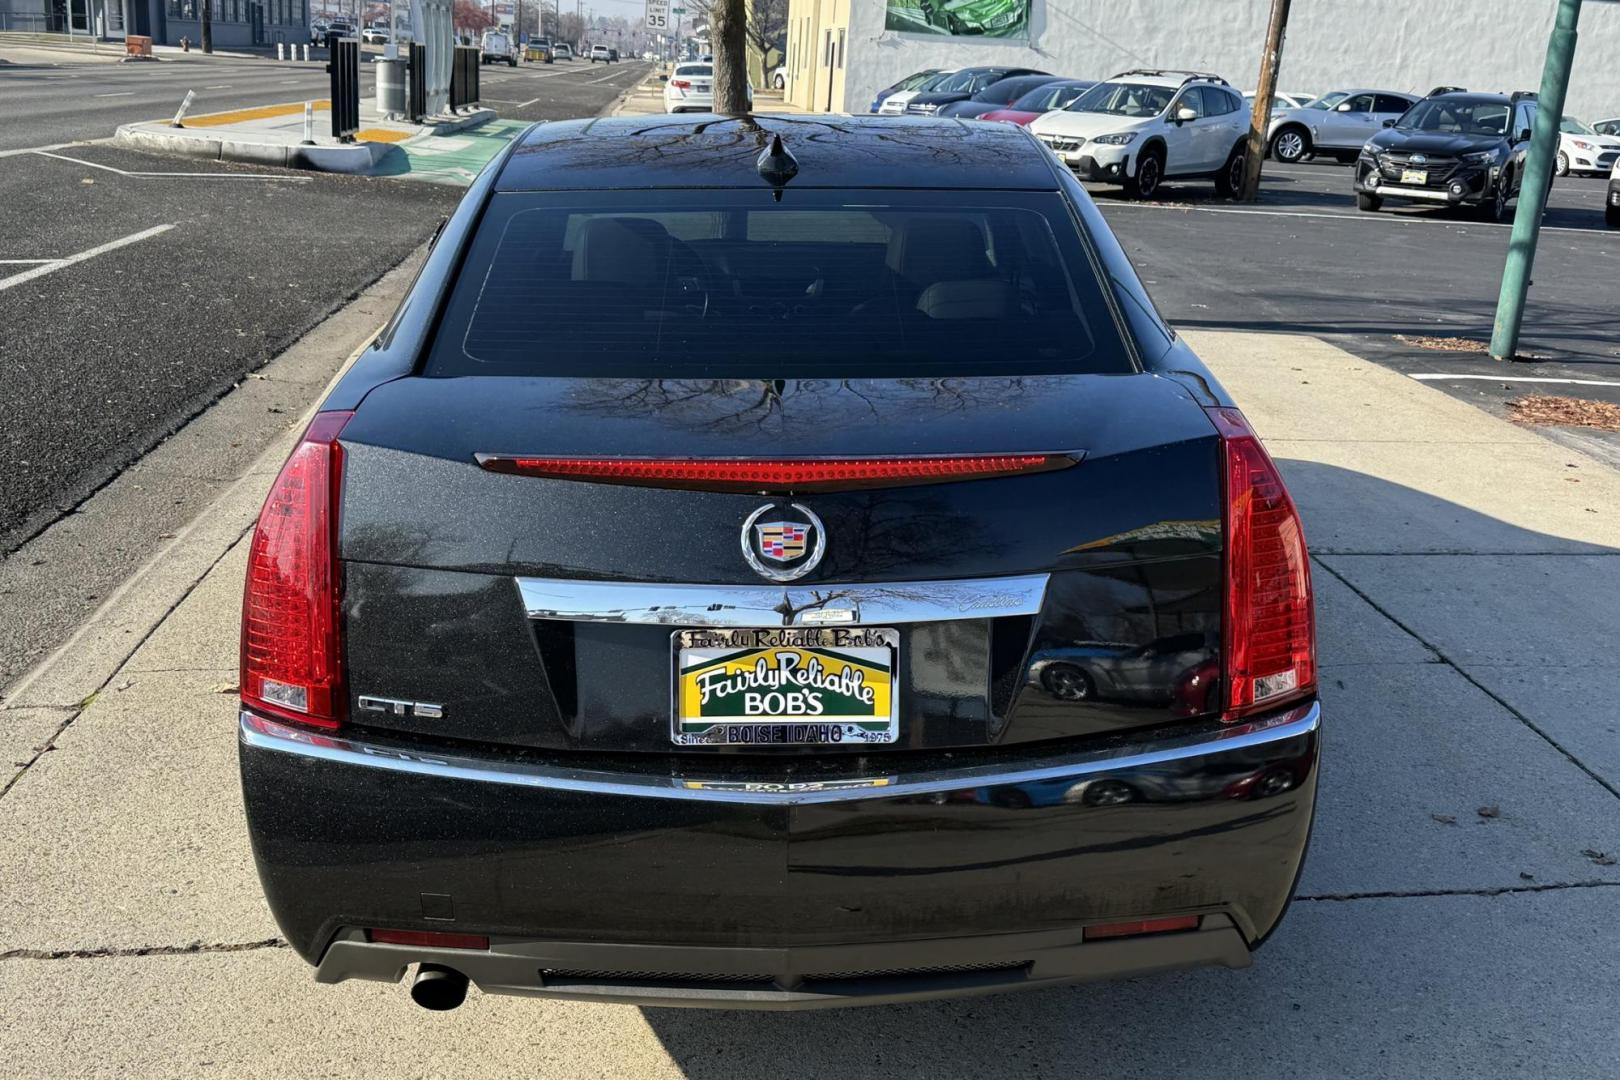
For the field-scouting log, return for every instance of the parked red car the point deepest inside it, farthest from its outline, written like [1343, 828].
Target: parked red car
[1042, 99]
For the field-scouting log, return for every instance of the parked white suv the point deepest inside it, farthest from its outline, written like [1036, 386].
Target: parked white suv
[1139, 128]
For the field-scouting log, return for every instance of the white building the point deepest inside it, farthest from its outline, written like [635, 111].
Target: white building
[842, 52]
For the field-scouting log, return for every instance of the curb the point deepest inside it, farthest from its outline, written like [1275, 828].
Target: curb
[360, 158]
[478, 117]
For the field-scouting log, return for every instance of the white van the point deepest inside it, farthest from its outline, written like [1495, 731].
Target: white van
[497, 47]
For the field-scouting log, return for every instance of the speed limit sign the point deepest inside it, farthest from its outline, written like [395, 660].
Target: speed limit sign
[657, 14]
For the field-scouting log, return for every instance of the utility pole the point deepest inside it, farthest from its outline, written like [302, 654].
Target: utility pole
[207, 31]
[1537, 179]
[1265, 87]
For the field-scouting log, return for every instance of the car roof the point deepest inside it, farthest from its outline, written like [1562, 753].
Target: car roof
[703, 150]
[1474, 95]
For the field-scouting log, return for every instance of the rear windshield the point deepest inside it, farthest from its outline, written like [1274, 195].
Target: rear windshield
[729, 283]
[695, 69]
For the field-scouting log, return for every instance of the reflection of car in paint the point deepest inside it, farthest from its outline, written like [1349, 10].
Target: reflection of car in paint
[975, 16]
[1171, 782]
[1118, 671]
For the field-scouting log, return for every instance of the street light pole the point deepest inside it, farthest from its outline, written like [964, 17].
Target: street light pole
[1535, 183]
[1265, 87]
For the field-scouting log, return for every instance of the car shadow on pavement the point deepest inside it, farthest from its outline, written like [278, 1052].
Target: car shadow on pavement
[1427, 939]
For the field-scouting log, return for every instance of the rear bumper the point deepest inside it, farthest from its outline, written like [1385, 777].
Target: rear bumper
[962, 874]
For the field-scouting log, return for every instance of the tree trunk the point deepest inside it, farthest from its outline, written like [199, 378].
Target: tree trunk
[728, 37]
[207, 33]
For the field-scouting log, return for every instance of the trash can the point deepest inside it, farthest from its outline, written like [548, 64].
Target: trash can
[390, 87]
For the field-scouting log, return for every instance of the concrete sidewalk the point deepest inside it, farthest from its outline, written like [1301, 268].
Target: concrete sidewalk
[1457, 916]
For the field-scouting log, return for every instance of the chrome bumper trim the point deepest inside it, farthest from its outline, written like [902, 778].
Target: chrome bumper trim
[261, 733]
[688, 606]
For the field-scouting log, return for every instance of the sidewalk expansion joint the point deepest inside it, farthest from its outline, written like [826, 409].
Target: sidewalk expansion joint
[1481, 687]
[111, 952]
[1504, 890]
[78, 709]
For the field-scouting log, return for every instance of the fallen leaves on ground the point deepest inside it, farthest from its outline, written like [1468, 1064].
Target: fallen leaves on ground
[1600, 858]
[1489, 811]
[1442, 344]
[1550, 409]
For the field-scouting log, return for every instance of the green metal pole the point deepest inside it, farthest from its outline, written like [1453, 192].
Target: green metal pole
[1537, 177]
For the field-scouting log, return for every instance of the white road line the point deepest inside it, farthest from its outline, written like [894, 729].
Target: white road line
[1436, 376]
[178, 175]
[100, 249]
[1405, 219]
[121, 93]
[36, 149]
[221, 86]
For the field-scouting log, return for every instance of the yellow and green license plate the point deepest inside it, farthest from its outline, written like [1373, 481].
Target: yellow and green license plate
[785, 686]
[1415, 176]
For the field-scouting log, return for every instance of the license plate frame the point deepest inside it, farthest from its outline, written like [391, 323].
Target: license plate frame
[837, 666]
[1420, 177]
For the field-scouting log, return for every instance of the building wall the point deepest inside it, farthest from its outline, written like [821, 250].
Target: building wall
[170, 20]
[819, 44]
[1395, 44]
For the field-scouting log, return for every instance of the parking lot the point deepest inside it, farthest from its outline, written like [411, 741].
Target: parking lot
[1305, 260]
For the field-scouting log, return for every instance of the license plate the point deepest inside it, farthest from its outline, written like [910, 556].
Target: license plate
[700, 88]
[1414, 176]
[785, 686]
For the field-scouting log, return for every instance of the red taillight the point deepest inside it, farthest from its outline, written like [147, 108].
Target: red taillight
[790, 474]
[1269, 636]
[1141, 926]
[680, 84]
[429, 939]
[291, 661]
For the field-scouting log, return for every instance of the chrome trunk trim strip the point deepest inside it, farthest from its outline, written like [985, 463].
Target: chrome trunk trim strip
[1299, 721]
[693, 606]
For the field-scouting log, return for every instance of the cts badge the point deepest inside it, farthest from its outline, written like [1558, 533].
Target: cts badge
[783, 541]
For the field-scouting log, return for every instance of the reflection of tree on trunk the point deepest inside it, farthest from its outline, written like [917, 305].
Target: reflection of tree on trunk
[729, 404]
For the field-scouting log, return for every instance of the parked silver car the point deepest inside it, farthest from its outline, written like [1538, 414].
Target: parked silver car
[1335, 124]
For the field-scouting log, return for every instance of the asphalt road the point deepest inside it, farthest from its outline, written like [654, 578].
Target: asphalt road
[1304, 260]
[110, 354]
[50, 101]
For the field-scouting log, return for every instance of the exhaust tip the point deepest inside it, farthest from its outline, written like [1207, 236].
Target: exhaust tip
[438, 988]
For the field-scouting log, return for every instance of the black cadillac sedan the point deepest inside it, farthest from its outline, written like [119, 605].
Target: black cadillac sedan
[703, 651]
